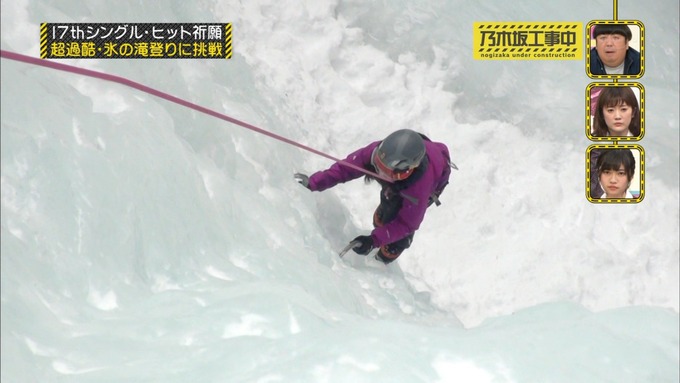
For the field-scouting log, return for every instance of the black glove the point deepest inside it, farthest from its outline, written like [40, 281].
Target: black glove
[302, 179]
[364, 244]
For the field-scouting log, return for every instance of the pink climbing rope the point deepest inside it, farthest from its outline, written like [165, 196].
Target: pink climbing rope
[177, 100]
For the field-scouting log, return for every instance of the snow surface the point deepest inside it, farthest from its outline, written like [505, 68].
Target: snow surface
[145, 242]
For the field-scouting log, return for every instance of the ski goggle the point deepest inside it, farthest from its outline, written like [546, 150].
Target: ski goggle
[386, 171]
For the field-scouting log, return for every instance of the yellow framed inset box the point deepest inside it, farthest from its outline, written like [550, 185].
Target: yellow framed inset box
[495, 40]
[612, 187]
[606, 117]
[604, 53]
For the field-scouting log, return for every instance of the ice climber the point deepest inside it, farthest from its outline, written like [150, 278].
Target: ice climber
[418, 169]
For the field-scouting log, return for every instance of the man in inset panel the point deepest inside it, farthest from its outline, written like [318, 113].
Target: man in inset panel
[612, 54]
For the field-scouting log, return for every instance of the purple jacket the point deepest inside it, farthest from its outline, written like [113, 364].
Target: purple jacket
[415, 197]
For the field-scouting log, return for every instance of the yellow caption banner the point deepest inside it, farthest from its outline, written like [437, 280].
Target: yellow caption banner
[135, 40]
[527, 41]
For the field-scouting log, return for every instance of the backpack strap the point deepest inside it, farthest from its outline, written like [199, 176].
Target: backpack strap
[434, 198]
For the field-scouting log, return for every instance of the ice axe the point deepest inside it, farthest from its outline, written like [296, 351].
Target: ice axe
[350, 246]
